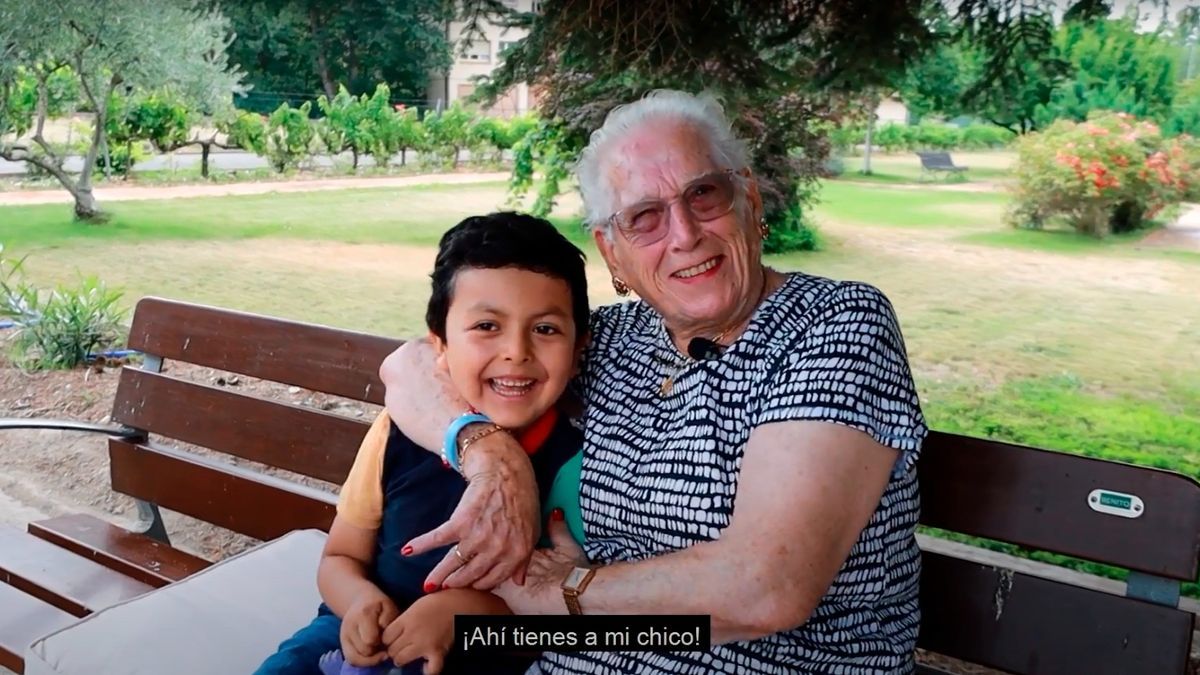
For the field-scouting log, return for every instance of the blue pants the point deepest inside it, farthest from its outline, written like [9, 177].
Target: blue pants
[299, 654]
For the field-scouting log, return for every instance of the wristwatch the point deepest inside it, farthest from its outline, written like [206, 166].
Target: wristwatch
[574, 585]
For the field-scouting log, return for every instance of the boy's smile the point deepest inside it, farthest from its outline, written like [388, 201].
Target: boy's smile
[511, 346]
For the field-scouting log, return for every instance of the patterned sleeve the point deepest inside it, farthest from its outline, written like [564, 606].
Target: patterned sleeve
[848, 365]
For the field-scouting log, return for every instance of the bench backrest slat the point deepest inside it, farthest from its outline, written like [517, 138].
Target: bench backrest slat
[1039, 499]
[936, 160]
[1021, 623]
[237, 499]
[339, 362]
[310, 442]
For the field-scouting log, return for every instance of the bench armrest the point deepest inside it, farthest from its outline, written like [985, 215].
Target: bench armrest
[67, 425]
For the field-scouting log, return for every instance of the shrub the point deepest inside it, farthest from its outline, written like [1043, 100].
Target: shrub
[892, 137]
[289, 136]
[934, 136]
[1108, 174]
[985, 136]
[59, 328]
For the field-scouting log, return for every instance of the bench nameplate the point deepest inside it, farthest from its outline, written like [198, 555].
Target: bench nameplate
[1116, 503]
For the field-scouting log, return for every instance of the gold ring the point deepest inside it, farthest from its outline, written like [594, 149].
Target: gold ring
[458, 554]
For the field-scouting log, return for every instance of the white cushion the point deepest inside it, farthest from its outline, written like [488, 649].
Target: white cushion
[225, 619]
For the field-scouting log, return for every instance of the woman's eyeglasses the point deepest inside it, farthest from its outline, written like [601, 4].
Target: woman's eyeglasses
[706, 198]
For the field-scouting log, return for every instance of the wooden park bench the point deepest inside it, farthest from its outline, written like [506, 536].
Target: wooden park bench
[933, 162]
[1003, 613]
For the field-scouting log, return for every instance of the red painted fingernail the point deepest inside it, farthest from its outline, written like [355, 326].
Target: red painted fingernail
[556, 514]
[430, 587]
[407, 550]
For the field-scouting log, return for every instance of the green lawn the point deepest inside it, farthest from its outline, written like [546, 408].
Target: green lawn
[1043, 338]
[905, 167]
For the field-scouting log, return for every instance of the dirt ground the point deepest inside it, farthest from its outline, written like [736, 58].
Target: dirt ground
[50, 473]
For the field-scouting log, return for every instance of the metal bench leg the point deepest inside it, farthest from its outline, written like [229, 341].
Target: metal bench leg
[150, 522]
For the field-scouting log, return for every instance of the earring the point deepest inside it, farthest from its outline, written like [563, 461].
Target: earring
[620, 287]
[763, 228]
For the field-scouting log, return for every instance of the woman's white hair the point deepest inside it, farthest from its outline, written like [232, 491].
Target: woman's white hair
[701, 112]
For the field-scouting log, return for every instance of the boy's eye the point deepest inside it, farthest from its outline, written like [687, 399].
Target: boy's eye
[485, 325]
[546, 329]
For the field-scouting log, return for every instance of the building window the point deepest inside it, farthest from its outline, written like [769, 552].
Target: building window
[505, 45]
[536, 7]
[478, 52]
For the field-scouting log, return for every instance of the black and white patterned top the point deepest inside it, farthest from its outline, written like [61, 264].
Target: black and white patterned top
[660, 472]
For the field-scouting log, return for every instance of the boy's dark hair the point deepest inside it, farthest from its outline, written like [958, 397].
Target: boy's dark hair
[506, 239]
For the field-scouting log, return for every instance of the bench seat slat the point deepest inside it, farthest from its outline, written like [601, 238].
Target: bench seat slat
[339, 362]
[310, 442]
[237, 499]
[1039, 499]
[23, 620]
[135, 555]
[1025, 624]
[68, 581]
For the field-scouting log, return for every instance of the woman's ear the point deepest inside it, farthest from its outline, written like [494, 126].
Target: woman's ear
[605, 245]
[439, 348]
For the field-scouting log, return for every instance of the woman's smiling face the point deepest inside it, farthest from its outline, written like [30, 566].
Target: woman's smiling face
[701, 273]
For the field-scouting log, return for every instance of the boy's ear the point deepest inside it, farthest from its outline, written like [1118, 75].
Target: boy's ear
[439, 347]
[580, 345]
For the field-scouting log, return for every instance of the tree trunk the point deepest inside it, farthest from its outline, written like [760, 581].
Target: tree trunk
[205, 149]
[128, 161]
[403, 152]
[314, 27]
[85, 202]
[86, 209]
[870, 129]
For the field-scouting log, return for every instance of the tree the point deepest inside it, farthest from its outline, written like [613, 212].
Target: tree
[783, 68]
[125, 44]
[306, 46]
[952, 78]
[1113, 67]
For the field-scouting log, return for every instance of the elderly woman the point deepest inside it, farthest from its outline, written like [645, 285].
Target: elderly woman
[750, 435]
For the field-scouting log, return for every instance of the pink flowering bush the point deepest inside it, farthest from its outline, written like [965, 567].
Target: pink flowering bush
[1111, 173]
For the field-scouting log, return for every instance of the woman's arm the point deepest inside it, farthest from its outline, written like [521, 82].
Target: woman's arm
[497, 521]
[806, 491]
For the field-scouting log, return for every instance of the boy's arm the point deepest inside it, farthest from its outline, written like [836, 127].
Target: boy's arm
[342, 578]
[342, 575]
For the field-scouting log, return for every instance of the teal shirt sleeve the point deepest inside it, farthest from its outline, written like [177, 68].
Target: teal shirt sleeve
[564, 494]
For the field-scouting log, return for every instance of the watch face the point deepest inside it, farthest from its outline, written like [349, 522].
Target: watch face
[575, 577]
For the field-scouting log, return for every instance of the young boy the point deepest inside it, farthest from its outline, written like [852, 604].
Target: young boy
[508, 317]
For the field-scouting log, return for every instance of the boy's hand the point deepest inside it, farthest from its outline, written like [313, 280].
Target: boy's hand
[426, 629]
[362, 628]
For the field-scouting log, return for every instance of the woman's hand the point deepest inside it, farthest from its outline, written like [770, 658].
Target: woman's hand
[495, 523]
[542, 592]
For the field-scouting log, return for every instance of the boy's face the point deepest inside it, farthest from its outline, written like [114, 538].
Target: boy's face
[510, 345]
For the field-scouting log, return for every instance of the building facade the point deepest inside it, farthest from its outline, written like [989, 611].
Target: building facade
[480, 57]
